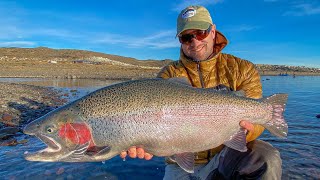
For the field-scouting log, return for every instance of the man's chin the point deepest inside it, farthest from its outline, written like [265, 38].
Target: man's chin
[198, 58]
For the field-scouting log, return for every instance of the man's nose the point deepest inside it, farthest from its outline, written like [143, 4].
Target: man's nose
[194, 41]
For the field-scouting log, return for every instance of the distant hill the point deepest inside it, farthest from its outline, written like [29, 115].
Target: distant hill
[116, 63]
[45, 53]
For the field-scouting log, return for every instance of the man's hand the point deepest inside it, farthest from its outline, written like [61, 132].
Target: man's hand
[134, 152]
[247, 125]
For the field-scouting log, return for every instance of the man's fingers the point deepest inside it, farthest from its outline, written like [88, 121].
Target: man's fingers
[247, 125]
[123, 154]
[132, 152]
[140, 153]
[147, 156]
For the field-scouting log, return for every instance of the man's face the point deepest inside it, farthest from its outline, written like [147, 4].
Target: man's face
[198, 49]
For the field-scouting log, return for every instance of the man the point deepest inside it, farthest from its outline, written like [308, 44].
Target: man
[202, 62]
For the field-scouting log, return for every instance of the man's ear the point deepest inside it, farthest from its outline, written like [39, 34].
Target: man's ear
[213, 30]
[213, 27]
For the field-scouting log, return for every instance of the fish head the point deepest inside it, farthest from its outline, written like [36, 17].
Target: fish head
[63, 131]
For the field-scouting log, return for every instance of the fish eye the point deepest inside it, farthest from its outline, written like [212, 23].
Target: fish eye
[50, 129]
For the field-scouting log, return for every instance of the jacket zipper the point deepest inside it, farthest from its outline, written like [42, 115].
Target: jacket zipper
[200, 74]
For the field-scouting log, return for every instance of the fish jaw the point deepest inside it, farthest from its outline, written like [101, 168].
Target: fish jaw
[47, 154]
[50, 154]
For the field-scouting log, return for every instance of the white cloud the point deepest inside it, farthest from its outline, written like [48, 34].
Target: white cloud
[12, 32]
[160, 40]
[17, 44]
[241, 28]
[62, 33]
[303, 9]
[273, 53]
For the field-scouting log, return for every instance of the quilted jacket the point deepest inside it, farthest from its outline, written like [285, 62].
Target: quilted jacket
[225, 69]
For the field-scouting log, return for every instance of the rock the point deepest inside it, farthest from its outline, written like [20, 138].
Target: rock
[9, 142]
[318, 116]
[60, 171]
[34, 107]
[8, 120]
[7, 117]
[8, 131]
[47, 173]
[52, 62]
[12, 178]
[23, 141]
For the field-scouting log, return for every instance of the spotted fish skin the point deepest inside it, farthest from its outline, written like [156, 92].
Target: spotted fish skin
[165, 117]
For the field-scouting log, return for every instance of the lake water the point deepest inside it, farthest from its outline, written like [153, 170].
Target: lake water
[300, 152]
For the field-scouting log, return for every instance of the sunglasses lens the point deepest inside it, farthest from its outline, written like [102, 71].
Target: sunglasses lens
[199, 35]
[186, 38]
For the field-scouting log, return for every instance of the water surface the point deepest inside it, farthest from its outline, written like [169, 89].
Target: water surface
[300, 152]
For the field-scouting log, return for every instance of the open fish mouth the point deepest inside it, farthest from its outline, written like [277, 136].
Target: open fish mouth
[46, 154]
[50, 142]
[55, 152]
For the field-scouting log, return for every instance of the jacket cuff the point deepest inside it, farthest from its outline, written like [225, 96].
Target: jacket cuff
[258, 130]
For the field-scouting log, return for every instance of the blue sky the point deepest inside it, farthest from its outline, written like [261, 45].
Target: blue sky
[284, 32]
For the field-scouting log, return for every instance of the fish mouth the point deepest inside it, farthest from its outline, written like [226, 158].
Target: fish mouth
[47, 154]
[55, 152]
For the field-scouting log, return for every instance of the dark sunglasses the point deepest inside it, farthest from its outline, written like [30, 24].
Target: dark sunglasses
[198, 34]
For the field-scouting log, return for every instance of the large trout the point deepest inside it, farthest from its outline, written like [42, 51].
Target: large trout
[165, 117]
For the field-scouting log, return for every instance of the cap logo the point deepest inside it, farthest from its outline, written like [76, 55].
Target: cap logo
[189, 13]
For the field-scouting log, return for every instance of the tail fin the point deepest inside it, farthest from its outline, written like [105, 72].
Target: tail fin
[277, 126]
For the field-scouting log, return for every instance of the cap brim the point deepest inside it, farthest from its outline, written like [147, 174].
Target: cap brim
[194, 25]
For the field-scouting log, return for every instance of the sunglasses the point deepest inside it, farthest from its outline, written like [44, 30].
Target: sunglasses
[198, 34]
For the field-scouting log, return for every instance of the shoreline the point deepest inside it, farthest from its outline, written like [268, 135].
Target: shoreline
[21, 104]
[271, 73]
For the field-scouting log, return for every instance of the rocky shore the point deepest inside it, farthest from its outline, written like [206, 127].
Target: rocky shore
[20, 104]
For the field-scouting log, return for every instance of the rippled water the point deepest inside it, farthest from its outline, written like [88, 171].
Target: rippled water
[300, 152]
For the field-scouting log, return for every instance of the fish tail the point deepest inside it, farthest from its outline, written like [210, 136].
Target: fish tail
[277, 125]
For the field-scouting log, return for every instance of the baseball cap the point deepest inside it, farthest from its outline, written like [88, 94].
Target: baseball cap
[193, 17]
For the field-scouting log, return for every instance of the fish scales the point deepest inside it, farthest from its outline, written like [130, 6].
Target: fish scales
[165, 117]
[147, 108]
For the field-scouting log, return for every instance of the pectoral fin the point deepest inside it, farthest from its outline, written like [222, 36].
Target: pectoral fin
[238, 141]
[185, 161]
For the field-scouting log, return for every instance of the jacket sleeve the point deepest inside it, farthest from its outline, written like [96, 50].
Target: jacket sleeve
[166, 72]
[252, 87]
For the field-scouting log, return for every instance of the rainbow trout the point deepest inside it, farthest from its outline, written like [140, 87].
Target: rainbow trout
[165, 117]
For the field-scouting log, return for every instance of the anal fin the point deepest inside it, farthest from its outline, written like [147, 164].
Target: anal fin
[238, 141]
[185, 161]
